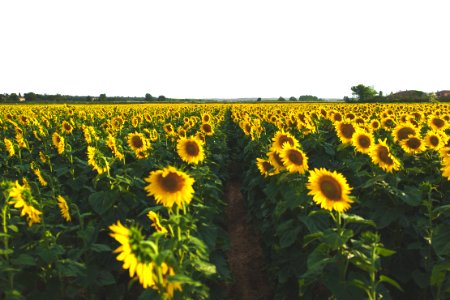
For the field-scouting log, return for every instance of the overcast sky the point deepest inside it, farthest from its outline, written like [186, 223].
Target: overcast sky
[223, 49]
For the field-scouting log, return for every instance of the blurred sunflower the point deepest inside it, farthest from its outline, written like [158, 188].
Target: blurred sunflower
[64, 208]
[281, 137]
[97, 160]
[39, 176]
[403, 131]
[413, 145]
[382, 157]
[22, 198]
[190, 150]
[264, 167]
[207, 129]
[345, 131]
[329, 189]
[66, 127]
[58, 142]
[437, 123]
[276, 161]
[362, 141]
[435, 139]
[168, 129]
[9, 147]
[294, 159]
[155, 222]
[170, 186]
[137, 142]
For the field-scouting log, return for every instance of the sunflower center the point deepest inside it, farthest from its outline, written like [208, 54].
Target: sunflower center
[404, 132]
[438, 122]
[277, 159]
[57, 139]
[137, 141]
[347, 130]
[248, 128]
[266, 166]
[434, 140]
[206, 127]
[413, 143]
[337, 117]
[192, 148]
[67, 127]
[330, 188]
[172, 183]
[375, 125]
[285, 139]
[383, 155]
[295, 157]
[364, 141]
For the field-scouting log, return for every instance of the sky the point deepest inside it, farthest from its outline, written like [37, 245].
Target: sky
[223, 49]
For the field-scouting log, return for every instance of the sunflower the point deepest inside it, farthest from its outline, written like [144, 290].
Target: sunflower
[66, 127]
[168, 129]
[64, 208]
[117, 123]
[170, 186]
[181, 132]
[345, 131]
[21, 140]
[403, 131]
[294, 159]
[329, 189]
[39, 176]
[111, 142]
[58, 142]
[362, 141]
[435, 139]
[207, 129]
[382, 157]
[21, 197]
[412, 145]
[437, 123]
[206, 118]
[276, 161]
[265, 167]
[137, 142]
[190, 150]
[155, 222]
[282, 137]
[129, 254]
[9, 147]
[387, 123]
[375, 125]
[154, 135]
[97, 160]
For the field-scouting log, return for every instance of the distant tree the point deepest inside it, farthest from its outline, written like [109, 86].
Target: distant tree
[102, 98]
[380, 93]
[281, 99]
[308, 98]
[162, 98]
[89, 98]
[292, 98]
[13, 98]
[259, 99]
[364, 93]
[30, 97]
[148, 97]
[3, 97]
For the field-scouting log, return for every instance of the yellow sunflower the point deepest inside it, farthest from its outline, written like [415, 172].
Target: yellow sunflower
[362, 141]
[382, 157]
[58, 142]
[403, 131]
[435, 139]
[294, 159]
[282, 137]
[190, 150]
[345, 131]
[9, 147]
[39, 176]
[97, 160]
[170, 186]
[413, 145]
[207, 129]
[137, 142]
[64, 208]
[66, 127]
[155, 222]
[329, 189]
[21, 197]
[437, 123]
[265, 167]
[276, 161]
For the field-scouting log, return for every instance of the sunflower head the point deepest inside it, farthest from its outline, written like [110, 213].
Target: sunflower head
[207, 129]
[403, 131]
[381, 156]
[294, 159]
[66, 127]
[435, 139]
[276, 161]
[265, 167]
[137, 142]
[437, 123]
[170, 186]
[345, 131]
[282, 137]
[190, 150]
[413, 145]
[329, 189]
[362, 141]
[97, 160]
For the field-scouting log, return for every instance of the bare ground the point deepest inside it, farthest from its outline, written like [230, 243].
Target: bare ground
[245, 257]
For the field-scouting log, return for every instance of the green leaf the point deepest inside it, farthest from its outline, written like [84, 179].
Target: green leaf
[384, 251]
[180, 278]
[438, 273]
[101, 248]
[102, 201]
[289, 237]
[440, 240]
[384, 278]
[6, 251]
[307, 239]
[13, 228]
[357, 219]
[334, 240]
[24, 260]
[440, 210]
[205, 267]
[105, 278]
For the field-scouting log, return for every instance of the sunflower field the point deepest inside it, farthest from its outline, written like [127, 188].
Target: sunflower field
[127, 201]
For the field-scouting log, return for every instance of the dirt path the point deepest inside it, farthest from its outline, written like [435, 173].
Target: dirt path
[245, 257]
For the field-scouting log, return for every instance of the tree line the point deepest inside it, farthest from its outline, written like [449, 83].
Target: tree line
[58, 98]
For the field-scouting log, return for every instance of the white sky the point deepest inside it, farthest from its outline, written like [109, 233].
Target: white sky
[223, 49]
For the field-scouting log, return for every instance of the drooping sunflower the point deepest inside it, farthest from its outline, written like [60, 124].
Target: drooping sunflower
[111, 142]
[58, 142]
[155, 222]
[97, 160]
[294, 159]
[137, 142]
[403, 131]
[413, 145]
[21, 197]
[329, 189]
[9, 147]
[345, 131]
[129, 254]
[64, 208]
[381, 156]
[170, 186]
[265, 167]
[66, 127]
[387, 123]
[191, 150]
[39, 176]
[362, 141]
[281, 137]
